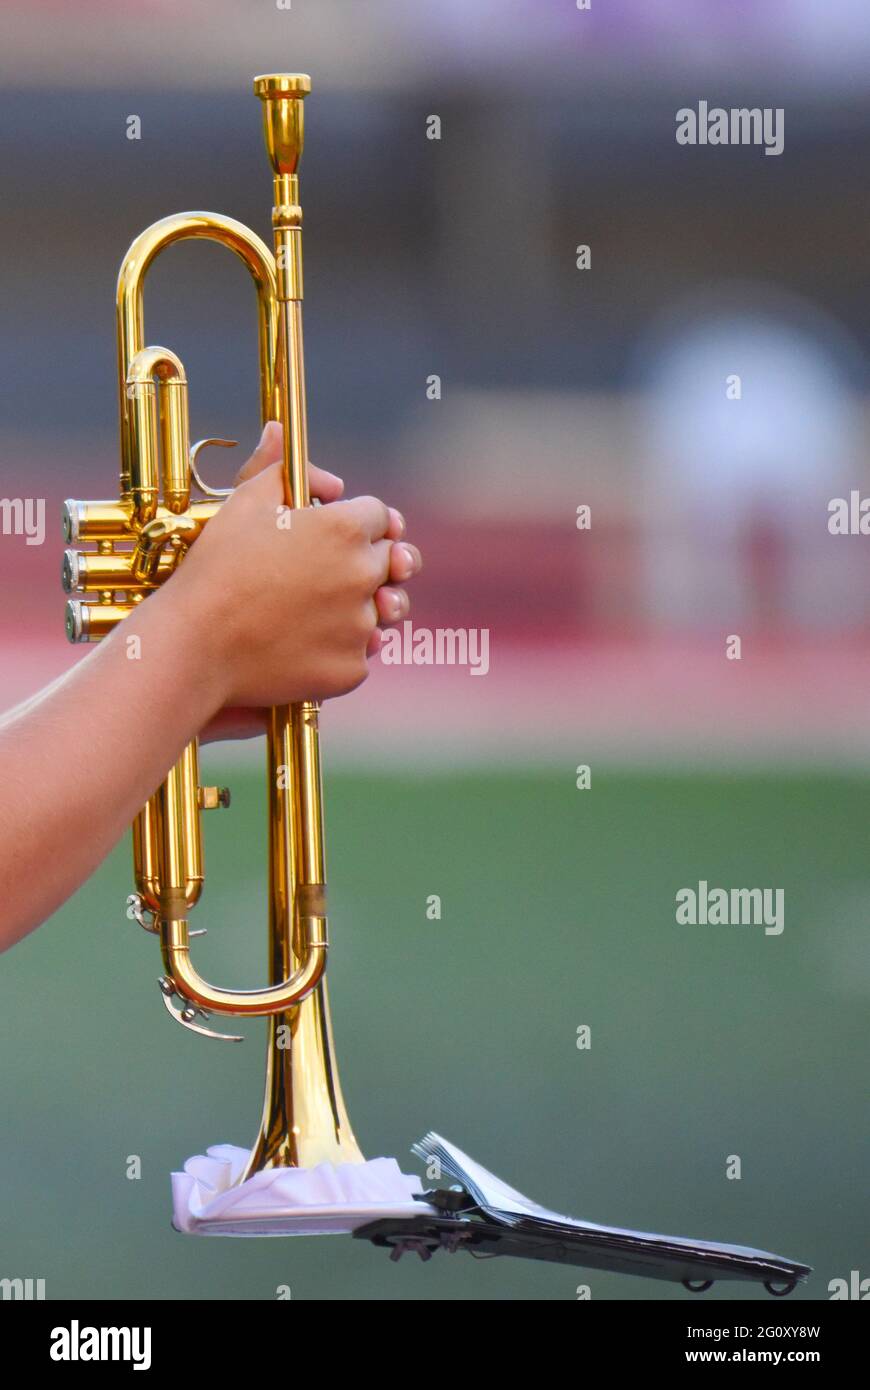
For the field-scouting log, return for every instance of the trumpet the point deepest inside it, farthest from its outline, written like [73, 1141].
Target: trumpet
[136, 543]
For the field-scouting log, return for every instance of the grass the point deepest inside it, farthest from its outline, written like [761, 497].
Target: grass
[557, 910]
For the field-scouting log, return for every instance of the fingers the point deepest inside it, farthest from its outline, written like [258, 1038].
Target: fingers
[267, 451]
[326, 486]
[392, 604]
[394, 564]
[374, 518]
[396, 528]
[381, 554]
[391, 561]
[405, 562]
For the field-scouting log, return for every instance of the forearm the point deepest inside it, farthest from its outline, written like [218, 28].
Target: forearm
[80, 759]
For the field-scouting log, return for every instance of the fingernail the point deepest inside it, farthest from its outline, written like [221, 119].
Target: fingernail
[401, 520]
[397, 606]
[409, 556]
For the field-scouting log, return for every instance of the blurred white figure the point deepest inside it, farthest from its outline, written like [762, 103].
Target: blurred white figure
[749, 430]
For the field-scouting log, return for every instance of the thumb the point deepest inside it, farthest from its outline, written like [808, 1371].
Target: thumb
[268, 451]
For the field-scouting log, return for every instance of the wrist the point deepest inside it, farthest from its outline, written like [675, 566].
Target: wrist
[190, 640]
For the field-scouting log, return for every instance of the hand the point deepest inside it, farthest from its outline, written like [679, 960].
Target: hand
[405, 559]
[305, 599]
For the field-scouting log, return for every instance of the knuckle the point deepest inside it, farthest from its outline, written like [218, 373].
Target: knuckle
[362, 576]
[340, 519]
[376, 508]
[351, 524]
[357, 672]
[366, 621]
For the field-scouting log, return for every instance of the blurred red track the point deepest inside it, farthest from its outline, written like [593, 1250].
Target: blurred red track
[662, 701]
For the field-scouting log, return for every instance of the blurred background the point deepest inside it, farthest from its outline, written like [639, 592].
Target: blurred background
[559, 388]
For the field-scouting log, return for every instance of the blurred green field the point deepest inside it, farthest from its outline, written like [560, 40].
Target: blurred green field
[558, 910]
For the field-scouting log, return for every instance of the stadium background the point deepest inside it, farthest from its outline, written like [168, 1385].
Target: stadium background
[560, 388]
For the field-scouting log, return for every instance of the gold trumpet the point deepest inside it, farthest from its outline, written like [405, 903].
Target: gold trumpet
[138, 542]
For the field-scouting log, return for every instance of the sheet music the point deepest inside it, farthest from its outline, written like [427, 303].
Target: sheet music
[512, 1208]
[486, 1189]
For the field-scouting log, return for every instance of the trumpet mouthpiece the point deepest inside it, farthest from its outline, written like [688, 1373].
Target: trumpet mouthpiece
[282, 94]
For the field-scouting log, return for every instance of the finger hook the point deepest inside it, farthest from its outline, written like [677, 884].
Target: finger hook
[194, 454]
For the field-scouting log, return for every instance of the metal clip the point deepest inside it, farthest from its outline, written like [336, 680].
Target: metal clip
[136, 910]
[186, 1015]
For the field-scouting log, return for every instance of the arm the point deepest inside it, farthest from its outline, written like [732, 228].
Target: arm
[255, 616]
[81, 758]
